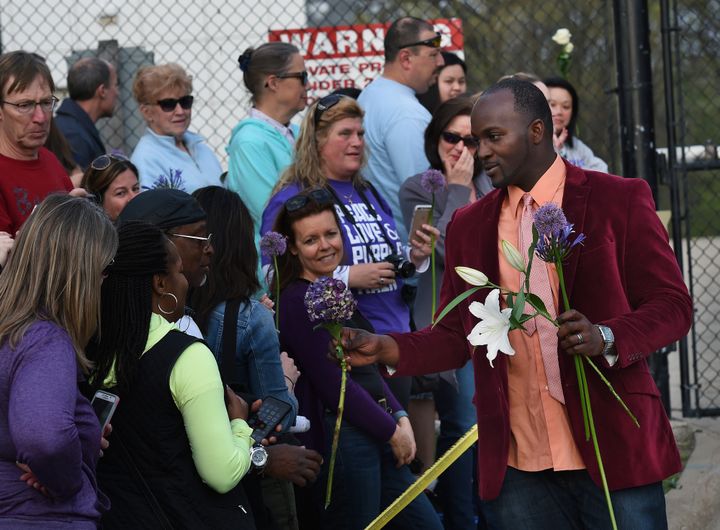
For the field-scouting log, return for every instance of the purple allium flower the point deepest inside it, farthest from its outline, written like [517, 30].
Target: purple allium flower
[328, 300]
[173, 181]
[554, 243]
[549, 219]
[273, 244]
[432, 180]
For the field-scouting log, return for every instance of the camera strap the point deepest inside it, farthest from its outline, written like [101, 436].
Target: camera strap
[351, 218]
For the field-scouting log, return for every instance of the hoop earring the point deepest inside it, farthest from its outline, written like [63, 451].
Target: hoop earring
[173, 309]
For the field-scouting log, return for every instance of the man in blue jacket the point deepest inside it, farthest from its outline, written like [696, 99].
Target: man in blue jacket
[93, 89]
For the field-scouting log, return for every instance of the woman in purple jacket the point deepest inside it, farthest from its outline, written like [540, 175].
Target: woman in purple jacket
[50, 306]
[376, 440]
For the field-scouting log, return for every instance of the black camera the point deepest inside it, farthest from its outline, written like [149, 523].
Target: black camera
[403, 268]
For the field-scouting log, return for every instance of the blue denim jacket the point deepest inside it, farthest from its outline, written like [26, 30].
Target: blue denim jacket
[258, 352]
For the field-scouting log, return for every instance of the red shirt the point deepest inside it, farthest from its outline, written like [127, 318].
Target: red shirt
[25, 183]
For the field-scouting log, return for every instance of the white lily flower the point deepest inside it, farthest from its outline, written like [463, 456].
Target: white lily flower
[472, 276]
[492, 330]
[513, 256]
[562, 36]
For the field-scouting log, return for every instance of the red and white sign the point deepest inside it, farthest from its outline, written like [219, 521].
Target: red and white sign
[352, 56]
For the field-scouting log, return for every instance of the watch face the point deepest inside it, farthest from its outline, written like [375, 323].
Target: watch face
[258, 456]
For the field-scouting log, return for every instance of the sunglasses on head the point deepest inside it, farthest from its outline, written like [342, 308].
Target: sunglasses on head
[169, 104]
[320, 196]
[433, 42]
[324, 104]
[103, 162]
[470, 141]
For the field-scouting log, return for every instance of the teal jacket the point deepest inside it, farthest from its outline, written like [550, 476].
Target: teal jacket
[257, 155]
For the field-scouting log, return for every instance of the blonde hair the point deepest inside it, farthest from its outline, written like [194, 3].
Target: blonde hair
[55, 271]
[306, 169]
[151, 81]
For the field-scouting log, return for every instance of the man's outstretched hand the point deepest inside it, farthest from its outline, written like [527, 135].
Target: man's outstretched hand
[362, 348]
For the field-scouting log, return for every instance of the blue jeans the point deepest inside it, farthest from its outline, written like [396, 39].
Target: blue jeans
[366, 481]
[570, 500]
[456, 489]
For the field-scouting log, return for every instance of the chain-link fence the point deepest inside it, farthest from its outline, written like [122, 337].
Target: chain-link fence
[206, 39]
[342, 43]
[696, 47]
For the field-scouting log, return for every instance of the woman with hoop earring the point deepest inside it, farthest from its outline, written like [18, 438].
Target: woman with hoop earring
[180, 440]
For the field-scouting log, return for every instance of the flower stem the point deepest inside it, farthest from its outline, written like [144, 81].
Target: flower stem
[585, 404]
[601, 468]
[434, 280]
[338, 422]
[612, 390]
[277, 295]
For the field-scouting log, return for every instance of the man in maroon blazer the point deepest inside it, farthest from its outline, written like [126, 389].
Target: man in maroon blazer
[629, 300]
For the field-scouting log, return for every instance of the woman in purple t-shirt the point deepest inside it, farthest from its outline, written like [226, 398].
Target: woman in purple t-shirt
[329, 154]
[50, 305]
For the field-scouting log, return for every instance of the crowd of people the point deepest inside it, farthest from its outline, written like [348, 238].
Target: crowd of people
[141, 277]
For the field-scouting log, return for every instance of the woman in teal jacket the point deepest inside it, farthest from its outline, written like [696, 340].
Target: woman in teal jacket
[261, 145]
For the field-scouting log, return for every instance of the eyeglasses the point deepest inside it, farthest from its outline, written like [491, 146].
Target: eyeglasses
[28, 107]
[103, 162]
[169, 104]
[302, 76]
[434, 42]
[321, 196]
[470, 141]
[324, 104]
[205, 240]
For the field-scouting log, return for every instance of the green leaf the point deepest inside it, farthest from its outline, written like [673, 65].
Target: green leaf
[509, 300]
[536, 302]
[536, 236]
[455, 301]
[519, 305]
[515, 323]
[525, 317]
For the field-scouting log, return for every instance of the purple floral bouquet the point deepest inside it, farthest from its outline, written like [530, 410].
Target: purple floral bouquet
[432, 181]
[329, 303]
[273, 245]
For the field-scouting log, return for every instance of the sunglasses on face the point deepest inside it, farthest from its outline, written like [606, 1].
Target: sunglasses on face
[169, 104]
[470, 141]
[103, 162]
[433, 42]
[302, 76]
[324, 104]
[321, 196]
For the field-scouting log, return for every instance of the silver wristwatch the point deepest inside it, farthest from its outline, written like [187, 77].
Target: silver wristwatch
[608, 338]
[258, 457]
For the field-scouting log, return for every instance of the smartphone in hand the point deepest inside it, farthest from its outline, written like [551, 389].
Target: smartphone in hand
[104, 405]
[271, 413]
[420, 217]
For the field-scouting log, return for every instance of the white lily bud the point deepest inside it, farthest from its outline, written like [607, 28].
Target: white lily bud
[472, 276]
[569, 47]
[562, 36]
[513, 256]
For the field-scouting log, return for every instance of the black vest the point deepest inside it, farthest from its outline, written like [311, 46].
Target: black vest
[149, 439]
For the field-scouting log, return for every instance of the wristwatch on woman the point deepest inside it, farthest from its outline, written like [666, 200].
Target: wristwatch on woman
[258, 457]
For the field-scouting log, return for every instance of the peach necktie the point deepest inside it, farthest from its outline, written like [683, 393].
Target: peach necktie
[540, 285]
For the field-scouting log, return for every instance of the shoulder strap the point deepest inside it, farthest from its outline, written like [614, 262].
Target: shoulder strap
[228, 346]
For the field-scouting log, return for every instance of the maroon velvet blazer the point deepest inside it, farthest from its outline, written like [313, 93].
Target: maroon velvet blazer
[624, 276]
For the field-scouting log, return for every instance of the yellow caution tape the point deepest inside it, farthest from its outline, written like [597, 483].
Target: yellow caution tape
[440, 465]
